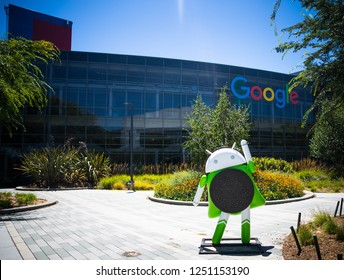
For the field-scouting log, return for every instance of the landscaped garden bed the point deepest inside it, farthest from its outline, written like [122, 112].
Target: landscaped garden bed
[329, 232]
[10, 200]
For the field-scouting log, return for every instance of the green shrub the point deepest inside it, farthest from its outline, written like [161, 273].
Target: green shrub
[321, 217]
[272, 164]
[65, 165]
[5, 195]
[305, 235]
[94, 165]
[340, 232]
[25, 198]
[274, 186]
[179, 186]
[5, 204]
[330, 227]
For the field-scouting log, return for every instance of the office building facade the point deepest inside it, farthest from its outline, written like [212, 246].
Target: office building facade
[96, 93]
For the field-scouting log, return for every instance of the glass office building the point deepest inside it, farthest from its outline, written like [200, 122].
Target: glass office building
[95, 95]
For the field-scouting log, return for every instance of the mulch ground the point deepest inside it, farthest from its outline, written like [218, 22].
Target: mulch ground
[329, 247]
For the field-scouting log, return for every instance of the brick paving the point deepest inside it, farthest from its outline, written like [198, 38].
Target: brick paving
[119, 225]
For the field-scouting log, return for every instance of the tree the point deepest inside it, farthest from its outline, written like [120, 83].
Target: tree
[211, 129]
[328, 134]
[21, 80]
[321, 34]
[198, 122]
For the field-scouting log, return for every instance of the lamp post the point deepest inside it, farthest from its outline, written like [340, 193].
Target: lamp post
[131, 139]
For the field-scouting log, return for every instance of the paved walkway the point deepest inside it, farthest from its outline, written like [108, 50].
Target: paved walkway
[108, 225]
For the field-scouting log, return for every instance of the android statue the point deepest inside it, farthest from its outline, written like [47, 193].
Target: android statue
[231, 189]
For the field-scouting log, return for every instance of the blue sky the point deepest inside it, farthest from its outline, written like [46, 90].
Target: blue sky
[229, 32]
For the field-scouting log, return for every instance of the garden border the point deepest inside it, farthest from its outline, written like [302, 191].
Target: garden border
[27, 208]
[21, 188]
[307, 195]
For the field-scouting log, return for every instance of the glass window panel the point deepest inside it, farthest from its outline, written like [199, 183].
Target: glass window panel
[100, 112]
[168, 101]
[153, 61]
[136, 98]
[77, 70]
[72, 96]
[172, 75]
[97, 57]
[90, 98]
[59, 71]
[117, 58]
[190, 65]
[151, 99]
[206, 79]
[221, 68]
[176, 101]
[97, 71]
[189, 77]
[136, 73]
[82, 97]
[172, 63]
[118, 99]
[77, 56]
[100, 98]
[117, 72]
[138, 60]
[154, 75]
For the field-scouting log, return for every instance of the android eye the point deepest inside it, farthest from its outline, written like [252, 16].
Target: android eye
[215, 161]
[232, 157]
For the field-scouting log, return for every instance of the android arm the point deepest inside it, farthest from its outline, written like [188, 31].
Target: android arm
[247, 155]
[200, 190]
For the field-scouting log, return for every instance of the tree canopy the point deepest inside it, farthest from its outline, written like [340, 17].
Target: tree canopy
[21, 80]
[321, 35]
[212, 128]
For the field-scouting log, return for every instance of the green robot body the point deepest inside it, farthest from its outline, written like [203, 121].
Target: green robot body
[231, 189]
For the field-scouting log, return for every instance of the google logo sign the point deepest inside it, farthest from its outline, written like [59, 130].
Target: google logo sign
[281, 96]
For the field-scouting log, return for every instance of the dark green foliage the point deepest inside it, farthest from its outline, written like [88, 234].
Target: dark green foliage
[65, 166]
[21, 81]
[8, 200]
[25, 198]
[5, 204]
[305, 235]
[340, 232]
[321, 35]
[211, 129]
[328, 133]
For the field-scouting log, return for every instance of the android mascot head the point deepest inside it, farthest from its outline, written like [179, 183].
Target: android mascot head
[231, 188]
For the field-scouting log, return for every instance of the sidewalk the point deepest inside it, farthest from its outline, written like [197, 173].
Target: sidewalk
[113, 225]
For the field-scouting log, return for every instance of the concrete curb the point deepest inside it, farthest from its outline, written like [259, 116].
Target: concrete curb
[307, 195]
[21, 188]
[27, 208]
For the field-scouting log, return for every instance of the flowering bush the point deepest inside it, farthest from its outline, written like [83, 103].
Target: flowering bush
[275, 186]
[180, 186]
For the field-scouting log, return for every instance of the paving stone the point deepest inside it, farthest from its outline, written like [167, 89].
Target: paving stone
[98, 224]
